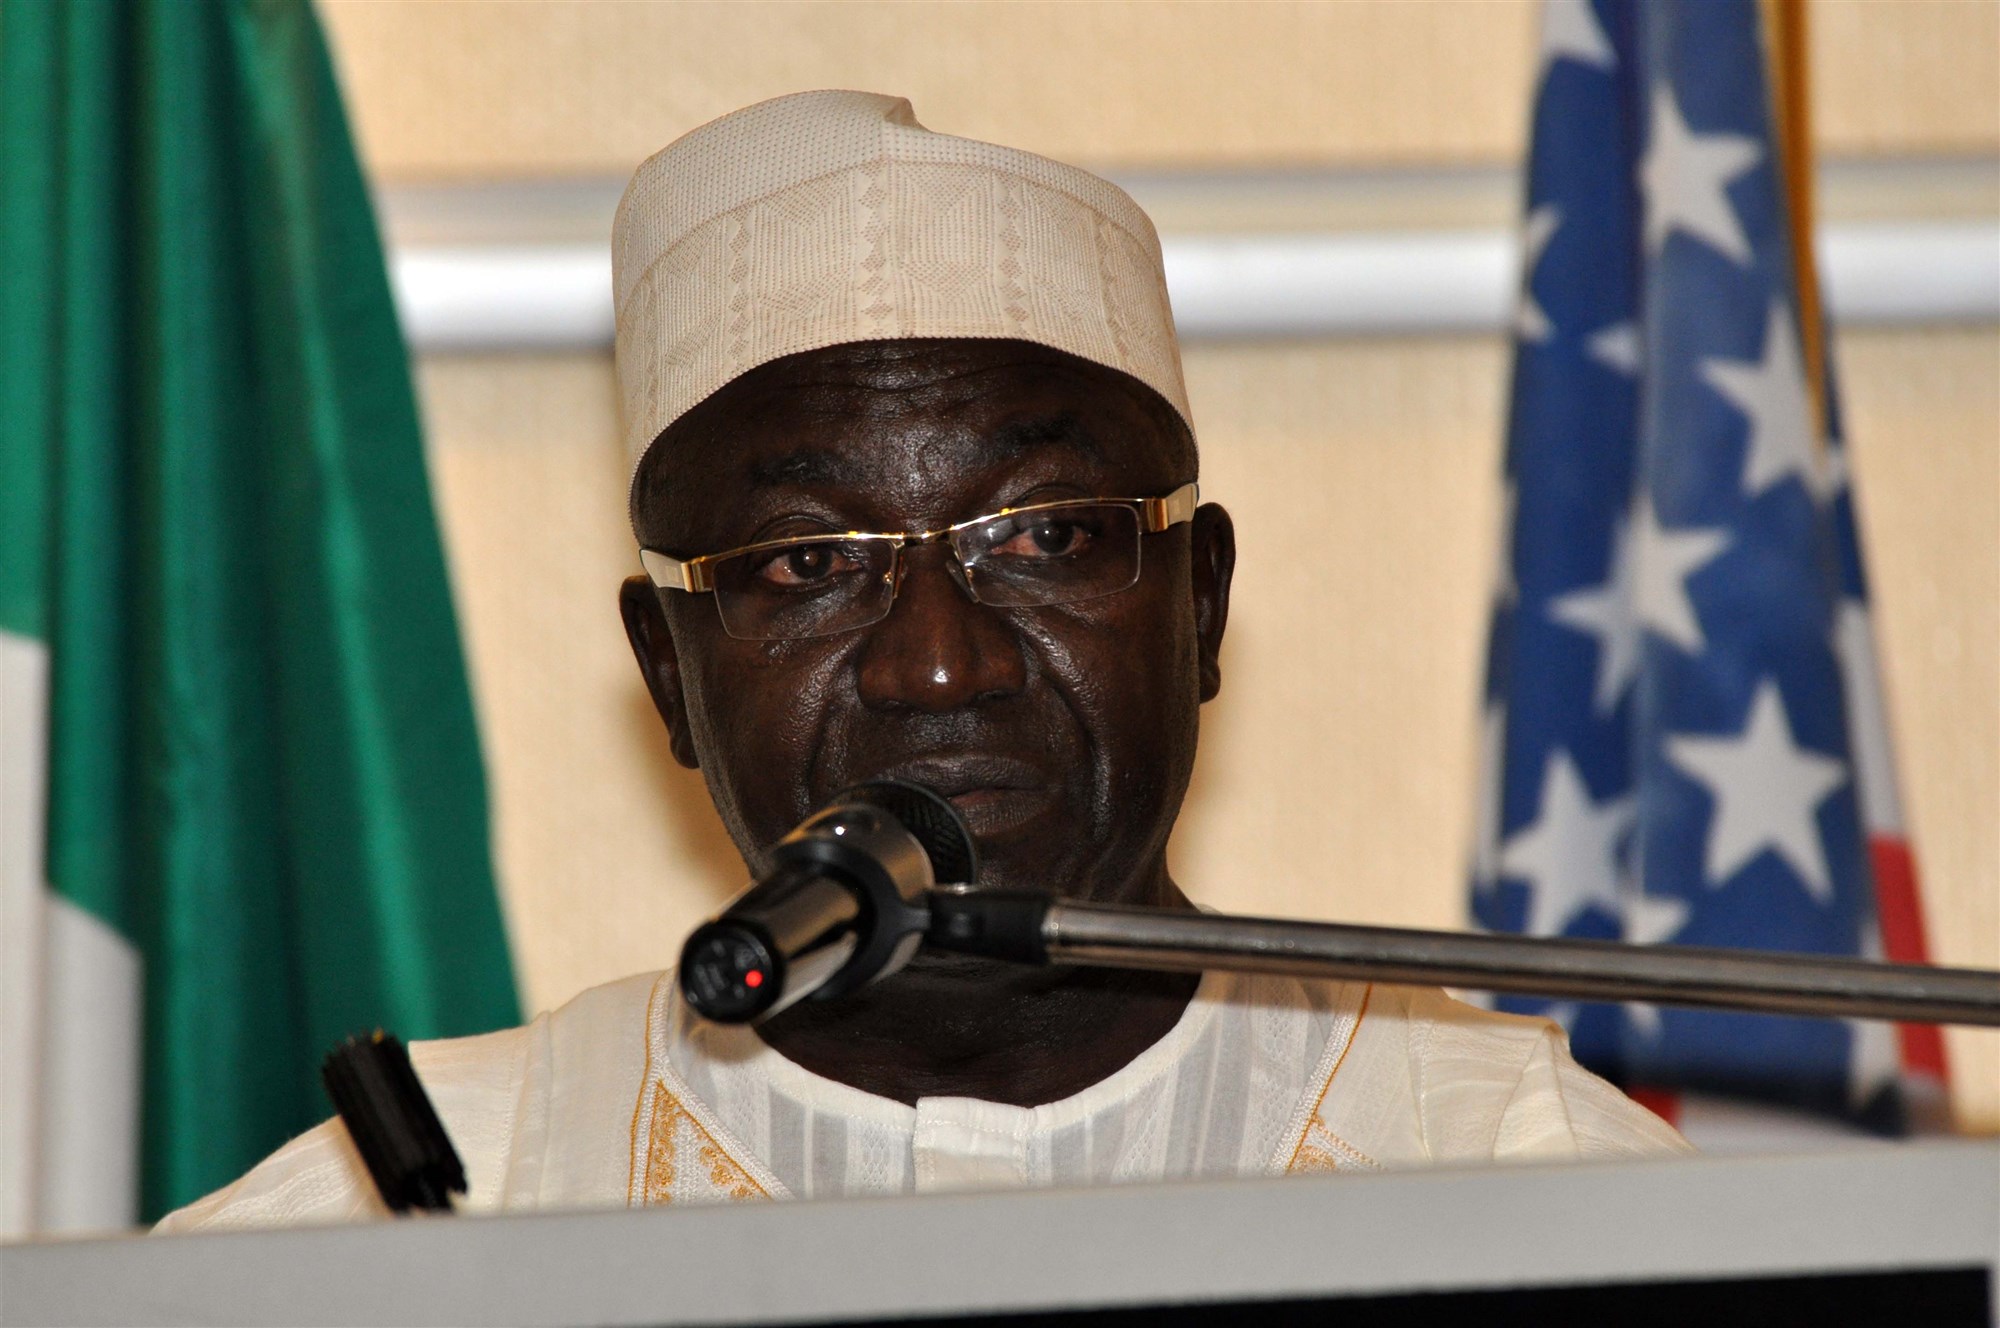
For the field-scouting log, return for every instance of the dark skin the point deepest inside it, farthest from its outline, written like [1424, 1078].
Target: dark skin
[1065, 734]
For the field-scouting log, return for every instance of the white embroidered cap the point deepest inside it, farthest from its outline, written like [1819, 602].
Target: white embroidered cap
[830, 217]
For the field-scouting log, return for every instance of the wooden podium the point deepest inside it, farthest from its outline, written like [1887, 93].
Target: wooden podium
[1907, 1231]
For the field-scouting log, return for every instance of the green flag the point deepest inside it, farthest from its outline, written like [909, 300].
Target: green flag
[217, 548]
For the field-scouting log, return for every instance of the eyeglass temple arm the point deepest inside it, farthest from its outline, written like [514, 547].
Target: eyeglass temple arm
[1176, 507]
[668, 573]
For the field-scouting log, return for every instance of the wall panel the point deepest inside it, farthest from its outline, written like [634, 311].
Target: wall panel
[1923, 409]
[502, 90]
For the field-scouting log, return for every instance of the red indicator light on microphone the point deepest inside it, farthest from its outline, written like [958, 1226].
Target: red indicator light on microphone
[753, 979]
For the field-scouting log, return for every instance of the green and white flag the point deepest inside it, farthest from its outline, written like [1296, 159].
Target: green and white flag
[242, 811]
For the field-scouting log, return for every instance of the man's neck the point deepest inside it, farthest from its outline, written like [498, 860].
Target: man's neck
[952, 1026]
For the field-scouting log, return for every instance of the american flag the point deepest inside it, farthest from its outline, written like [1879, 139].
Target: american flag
[1683, 736]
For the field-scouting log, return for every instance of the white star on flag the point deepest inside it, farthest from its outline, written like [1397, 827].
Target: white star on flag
[1605, 611]
[1530, 323]
[1616, 347]
[1648, 574]
[1644, 1019]
[1652, 919]
[1570, 31]
[1772, 394]
[1766, 790]
[1569, 853]
[1684, 176]
[1663, 560]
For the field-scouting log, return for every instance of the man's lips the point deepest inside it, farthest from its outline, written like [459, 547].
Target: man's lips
[996, 795]
[950, 776]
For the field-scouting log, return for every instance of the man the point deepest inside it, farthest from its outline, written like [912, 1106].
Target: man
[833, 321]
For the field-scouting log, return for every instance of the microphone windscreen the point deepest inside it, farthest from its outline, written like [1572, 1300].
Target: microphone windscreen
[934, 823]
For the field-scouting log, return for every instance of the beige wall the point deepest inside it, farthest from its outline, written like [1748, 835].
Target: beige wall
[484, 90]
[1924, 410]
[1361, 472]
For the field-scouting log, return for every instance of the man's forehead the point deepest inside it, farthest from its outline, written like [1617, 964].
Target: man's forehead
[848, 460]
[866, 416]
[927, 377]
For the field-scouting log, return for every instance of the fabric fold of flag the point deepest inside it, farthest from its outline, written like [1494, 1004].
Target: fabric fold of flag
[1683, 738]
[224, 603]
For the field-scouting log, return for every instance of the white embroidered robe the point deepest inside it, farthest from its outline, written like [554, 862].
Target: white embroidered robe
[622, 1097]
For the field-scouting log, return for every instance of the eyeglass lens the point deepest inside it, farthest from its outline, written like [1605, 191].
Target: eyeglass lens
[1054, 555]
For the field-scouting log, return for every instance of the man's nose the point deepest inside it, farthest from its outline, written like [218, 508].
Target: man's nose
[938, 650]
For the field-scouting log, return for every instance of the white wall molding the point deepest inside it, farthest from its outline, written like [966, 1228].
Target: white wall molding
[524, 265]
[558, 297]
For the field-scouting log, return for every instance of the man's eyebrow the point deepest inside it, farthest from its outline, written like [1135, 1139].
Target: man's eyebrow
[1065, 430]
[806, 466]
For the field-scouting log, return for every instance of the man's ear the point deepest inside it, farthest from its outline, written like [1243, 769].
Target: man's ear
[653, 646]
[1214, 548]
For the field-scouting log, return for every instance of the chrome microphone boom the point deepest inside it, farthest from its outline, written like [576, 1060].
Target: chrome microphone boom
[1035, 928]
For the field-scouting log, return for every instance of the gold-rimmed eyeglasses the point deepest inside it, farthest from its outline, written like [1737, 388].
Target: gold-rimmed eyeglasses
[818, 584]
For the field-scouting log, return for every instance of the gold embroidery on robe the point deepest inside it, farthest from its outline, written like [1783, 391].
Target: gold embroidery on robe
[673, 1130]
[678, 1153]
[660, 1147]
[653, 1008]
[1318, 1148]
[1322, 1150]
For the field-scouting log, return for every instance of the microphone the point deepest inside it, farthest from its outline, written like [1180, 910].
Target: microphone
[843, 904]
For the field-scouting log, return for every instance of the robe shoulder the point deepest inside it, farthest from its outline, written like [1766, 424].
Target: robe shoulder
[500, 1099]
[554, 1114]
[1429, 1080]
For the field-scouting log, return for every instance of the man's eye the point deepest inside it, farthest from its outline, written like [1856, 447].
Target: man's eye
[1046, 539]
[806, 565]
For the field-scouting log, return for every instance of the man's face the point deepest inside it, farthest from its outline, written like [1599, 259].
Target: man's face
[1063, 734]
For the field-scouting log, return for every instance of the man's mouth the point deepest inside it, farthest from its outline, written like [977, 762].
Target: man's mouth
[997, 796]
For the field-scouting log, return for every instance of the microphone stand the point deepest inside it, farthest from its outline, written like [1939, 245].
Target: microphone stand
[1039, 929]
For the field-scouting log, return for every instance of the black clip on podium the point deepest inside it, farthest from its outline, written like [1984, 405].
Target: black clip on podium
[377, 1094]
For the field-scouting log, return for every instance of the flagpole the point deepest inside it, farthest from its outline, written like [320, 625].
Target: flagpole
[1791, 112]
[1034, 928]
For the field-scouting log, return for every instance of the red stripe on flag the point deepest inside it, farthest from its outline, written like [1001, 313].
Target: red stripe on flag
[1902, 921]
[1662, 1102]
